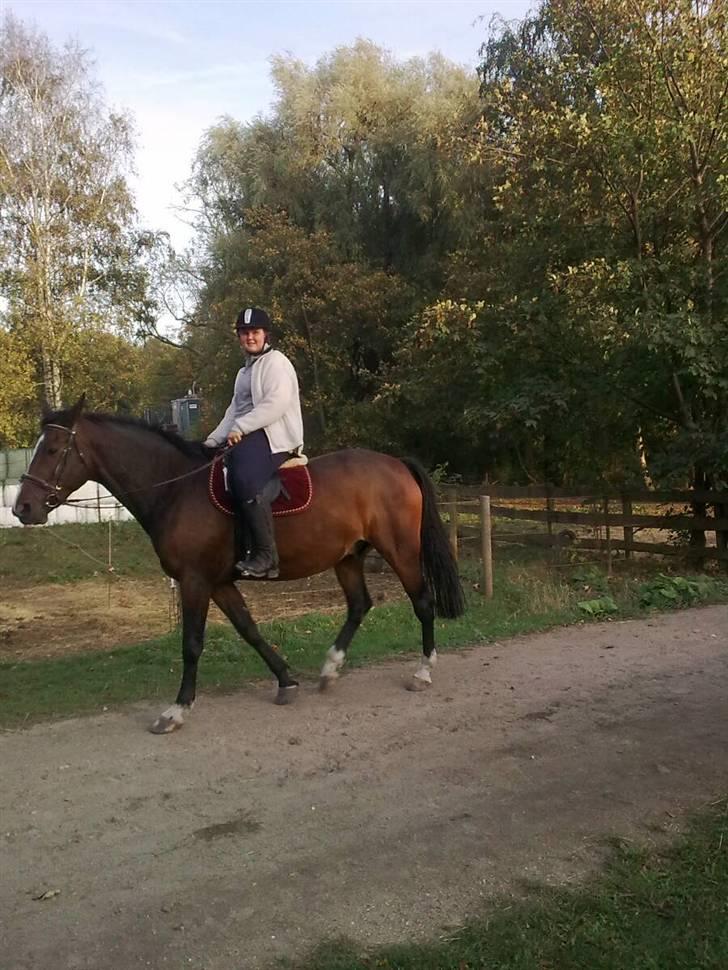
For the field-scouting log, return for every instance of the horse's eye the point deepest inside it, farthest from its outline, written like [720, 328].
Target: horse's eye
[52, 451]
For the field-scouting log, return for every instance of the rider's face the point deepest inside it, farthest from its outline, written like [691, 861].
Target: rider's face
[252, 341]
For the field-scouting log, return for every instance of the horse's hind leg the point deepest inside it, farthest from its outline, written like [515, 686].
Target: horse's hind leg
[231, 602]
[403, 555]
[424, 608]
[350, 573]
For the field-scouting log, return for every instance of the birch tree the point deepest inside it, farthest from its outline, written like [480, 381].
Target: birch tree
[70, 259]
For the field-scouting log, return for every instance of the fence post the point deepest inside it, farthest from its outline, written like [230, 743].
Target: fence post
[452, 520]
[608, 533]
[109, 567]
[549, 512]
[554, 550]
[486, 547]
[628, 530]
[175, 613]
[721, 537]
[699, 510]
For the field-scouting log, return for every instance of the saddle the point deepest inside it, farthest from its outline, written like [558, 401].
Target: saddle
[289, 491]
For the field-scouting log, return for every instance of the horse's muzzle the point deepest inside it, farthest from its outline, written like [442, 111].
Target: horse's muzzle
[29, 515]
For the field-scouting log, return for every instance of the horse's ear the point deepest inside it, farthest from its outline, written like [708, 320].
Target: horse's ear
[78, 407]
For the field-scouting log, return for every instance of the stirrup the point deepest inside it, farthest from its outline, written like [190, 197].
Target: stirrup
[272, 573]
[245, 570]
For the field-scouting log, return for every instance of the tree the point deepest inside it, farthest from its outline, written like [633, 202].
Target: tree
[533, 285]
[338, 320]
[609, 125]
[16, 392]
[70, 258]
[355, 146]
[337, 213]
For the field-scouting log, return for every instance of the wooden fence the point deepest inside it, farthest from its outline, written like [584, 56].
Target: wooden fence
[603, 515]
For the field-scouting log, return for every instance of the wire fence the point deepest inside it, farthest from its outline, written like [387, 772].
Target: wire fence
[98, 506]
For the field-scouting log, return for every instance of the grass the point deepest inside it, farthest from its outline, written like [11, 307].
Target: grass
[60, 553]
[528, 598]
[90, 682]
[647, 910]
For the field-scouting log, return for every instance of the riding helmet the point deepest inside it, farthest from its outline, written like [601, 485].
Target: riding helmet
[252, 318]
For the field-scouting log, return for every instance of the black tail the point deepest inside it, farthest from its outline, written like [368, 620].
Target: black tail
[438, 562]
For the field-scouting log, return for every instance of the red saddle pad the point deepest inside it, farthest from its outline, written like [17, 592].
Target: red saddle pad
[296, 482]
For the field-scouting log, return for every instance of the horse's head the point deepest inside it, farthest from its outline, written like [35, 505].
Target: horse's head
[56, 469]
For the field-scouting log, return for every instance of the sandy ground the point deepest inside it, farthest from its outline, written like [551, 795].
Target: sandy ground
[369, 812]
[37, 622]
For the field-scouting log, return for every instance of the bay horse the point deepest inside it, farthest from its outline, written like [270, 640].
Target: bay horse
[361, 499]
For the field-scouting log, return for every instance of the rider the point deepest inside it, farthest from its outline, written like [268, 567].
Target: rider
[264, 423]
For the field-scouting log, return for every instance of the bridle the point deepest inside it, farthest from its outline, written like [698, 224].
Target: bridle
[52, 499]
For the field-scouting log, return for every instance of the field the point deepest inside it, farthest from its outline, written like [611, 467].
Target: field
[92, 640]
[60, 597]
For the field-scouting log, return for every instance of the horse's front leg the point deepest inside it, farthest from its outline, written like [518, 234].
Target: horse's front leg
[195, 596]
[230, 600]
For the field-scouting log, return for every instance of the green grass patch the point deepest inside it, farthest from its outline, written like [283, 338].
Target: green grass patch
[647, 910]
[526, 600]
[531, 595]
[90, 682]
[60, 553]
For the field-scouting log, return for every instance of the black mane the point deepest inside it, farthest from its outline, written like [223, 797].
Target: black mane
[192, 449]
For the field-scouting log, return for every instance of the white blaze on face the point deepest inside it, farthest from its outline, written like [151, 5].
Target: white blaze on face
[38, 443]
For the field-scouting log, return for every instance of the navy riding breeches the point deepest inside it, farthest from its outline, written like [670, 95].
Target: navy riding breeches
[251, 465]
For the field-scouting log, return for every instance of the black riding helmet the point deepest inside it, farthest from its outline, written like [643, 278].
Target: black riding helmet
[252, 318]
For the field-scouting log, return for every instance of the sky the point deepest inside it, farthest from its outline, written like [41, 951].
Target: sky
[179, 66]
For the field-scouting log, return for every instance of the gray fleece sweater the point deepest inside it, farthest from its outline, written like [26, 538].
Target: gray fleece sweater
[272, 382]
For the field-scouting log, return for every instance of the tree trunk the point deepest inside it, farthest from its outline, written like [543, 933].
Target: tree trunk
[642, 459]
[51, 373]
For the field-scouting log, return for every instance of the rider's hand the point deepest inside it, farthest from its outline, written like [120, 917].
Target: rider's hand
[234, 437]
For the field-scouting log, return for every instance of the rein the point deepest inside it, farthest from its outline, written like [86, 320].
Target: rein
[52, 500]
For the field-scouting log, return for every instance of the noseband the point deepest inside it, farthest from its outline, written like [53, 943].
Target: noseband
[52, 499]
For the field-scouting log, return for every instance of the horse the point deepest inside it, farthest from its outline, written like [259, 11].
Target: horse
[361, 500]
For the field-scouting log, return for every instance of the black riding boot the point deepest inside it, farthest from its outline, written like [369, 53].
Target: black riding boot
[263, 562]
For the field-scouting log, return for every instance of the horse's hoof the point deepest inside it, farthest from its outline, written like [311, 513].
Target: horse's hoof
[165, 725]
[417, 684]
[286, 695]
[330, 671]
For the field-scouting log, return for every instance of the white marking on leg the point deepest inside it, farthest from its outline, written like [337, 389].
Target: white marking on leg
[334, 662]
[424, 671]
[174, 713]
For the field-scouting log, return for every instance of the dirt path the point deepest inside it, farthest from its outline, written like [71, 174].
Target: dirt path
[370, 812]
